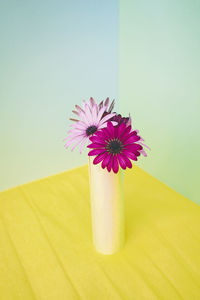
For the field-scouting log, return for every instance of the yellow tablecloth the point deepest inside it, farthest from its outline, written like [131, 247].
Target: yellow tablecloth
[46, 249]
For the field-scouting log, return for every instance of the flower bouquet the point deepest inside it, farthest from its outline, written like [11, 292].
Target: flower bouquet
[113, 143]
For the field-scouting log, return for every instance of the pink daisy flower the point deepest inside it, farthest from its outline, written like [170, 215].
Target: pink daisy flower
[90, 120]
[91, 104]
[115, 146]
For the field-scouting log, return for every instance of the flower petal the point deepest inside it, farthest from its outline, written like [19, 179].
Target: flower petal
[111, 106]
[100, 105]
[144, 145]
[100, 134]
[105, 124]
[96, 145]
[122, 161]
[121, 129]
[102, 126]
[92, 102]
[128, 162]
[106, 118]
[73, 139]
[137, 153]
[79, 108]
[84, 119]
[99, 158]
[106, 133]
[100, 114]
[115, 164]
[106, 161]
[125, 132]
[132, 139]
[76, 131]
[106, 103]
[79, 123]
[129, 121]
[88, 113]
[143, 152]
[75, 112]
[83, 144]
[97, 139]
[133, 147]
[78, 142]
[110, 129]
[114, 123]
[96, 152]
[116, 131]
[128, 135]
[109, 165]
[94, 114]
[131, 155]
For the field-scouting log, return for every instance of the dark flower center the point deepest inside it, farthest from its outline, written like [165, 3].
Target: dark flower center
[114, 146]
[90, 130]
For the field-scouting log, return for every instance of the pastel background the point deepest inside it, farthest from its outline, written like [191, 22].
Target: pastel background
[53, 54]
[159, 83]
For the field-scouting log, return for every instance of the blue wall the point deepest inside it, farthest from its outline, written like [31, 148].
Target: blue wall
[54, 54]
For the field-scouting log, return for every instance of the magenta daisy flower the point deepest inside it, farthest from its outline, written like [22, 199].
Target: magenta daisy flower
[128, 121]
[119, 119]
[114, 146]
[90, 120]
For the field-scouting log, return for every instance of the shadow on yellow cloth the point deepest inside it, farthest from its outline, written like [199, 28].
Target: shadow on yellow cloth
[46, 249]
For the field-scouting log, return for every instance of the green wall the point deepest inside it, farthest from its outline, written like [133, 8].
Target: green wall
[159, 84]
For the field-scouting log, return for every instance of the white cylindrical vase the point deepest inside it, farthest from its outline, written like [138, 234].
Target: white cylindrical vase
[107, 208]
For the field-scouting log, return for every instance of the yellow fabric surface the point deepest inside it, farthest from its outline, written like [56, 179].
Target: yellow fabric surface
[46, 249]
